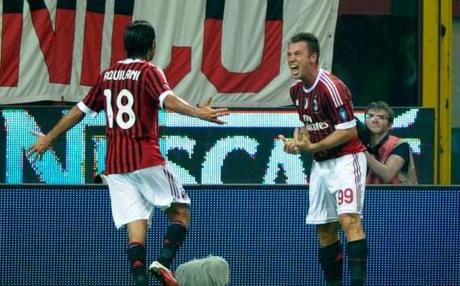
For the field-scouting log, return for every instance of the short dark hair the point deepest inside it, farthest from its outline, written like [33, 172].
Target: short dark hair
[383, 106]
[310, 39]
[138, 38]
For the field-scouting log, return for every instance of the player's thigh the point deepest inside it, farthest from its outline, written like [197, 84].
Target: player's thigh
[349, 183]
[127, 202]
[322, 204]
[161, 187]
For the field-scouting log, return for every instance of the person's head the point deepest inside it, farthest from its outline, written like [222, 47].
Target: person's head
[303, 55]
[379, 117]
[208, 271]
[139, 40]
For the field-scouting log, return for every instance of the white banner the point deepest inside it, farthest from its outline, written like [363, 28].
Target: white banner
[233, 50]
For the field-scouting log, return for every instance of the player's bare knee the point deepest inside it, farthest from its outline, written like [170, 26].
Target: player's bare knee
[351, 224]
[327, 233]
[179, 213]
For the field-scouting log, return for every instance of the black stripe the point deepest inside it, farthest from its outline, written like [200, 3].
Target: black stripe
[35, 4]
[169, 180]
[136, 88]
[124, 7]
[13, 6]
[172, 184]
[97, 6]
[67, 4]
[215, 9]
[109, 155]
[274, 10]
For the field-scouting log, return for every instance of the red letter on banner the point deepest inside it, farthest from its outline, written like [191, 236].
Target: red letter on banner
[226, 81]
[92, 42]
[57, 46]
[179, 65]
[121, 19]
[11, 43]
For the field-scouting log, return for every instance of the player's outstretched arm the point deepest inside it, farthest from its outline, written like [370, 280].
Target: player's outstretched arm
[45, 141]
[205, 112]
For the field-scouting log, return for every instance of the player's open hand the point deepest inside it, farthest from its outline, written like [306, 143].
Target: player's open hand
[206, 112]
[35, 152]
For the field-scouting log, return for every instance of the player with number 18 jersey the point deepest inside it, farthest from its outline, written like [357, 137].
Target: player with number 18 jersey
[132, 92]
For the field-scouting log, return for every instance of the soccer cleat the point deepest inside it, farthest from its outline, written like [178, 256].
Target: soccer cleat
[162, 273]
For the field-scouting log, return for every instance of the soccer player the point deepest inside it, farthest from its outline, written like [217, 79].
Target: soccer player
[132, 91]
[338, 172]
[389, 158]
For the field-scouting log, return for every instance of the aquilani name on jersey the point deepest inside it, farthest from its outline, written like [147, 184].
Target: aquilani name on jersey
[121, 75]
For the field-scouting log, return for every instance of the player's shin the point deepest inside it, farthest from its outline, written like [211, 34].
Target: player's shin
[331, 260]
[175, 236]
[357, 260]
[137, 255]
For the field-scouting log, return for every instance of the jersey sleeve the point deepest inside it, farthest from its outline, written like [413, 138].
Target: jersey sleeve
[340, 104]
[94, 101]
[158, 85]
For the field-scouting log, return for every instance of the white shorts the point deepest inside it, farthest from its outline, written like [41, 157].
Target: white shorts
[134, 195]
[336, 187]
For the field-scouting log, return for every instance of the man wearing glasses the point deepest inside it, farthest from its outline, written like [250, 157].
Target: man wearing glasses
[389, 158]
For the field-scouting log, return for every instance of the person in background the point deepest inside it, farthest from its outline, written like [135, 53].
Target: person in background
[132, 91]
[389, 157]
[208, 271]
[337, 176]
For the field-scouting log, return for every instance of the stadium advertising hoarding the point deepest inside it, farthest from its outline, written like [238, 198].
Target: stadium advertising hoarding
[58, 230]
[245, 150]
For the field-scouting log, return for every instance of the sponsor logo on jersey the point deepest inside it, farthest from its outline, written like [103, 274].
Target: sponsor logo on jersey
[307, 118]
[317, 126]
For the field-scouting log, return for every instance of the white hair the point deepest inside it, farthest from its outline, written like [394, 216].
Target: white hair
[208, 271]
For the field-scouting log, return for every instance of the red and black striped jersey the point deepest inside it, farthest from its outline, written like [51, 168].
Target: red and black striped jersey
[323, 108]
[131, 92]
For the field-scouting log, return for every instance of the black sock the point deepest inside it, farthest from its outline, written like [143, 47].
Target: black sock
[137, 255]
[331, 259]
[357, 258]
[175, 236]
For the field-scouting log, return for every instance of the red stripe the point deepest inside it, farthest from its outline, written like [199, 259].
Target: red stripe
[120, 22]
[358, 174]
[92, 48]
[172, 185]
[226, 81]
[179, 66]
[63, 50]
[11, 47]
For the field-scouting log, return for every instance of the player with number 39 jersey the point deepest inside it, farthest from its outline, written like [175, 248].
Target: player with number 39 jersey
[337, 175]
[132, 91]
[324, 107]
